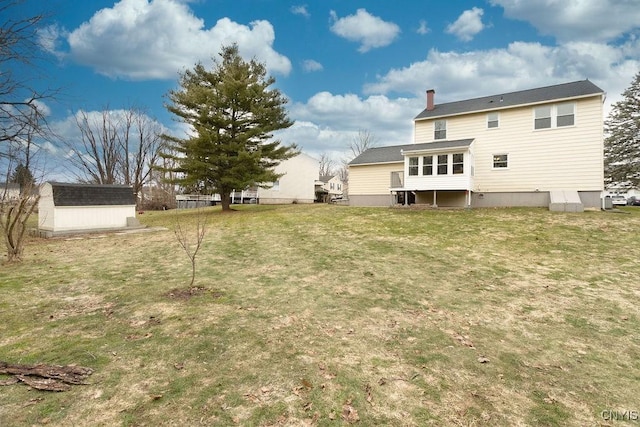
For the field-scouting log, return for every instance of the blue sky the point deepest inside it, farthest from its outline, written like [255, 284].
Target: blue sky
[345, 65]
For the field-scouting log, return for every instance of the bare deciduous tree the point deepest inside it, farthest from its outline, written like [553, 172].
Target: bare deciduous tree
[97, 156]
[140, 144]
[327, 165]
[116, 147]
[187, 242]
[362, 142]
[19, 51]
[22, 118]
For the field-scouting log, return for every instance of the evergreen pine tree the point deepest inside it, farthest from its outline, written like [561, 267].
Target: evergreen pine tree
[622, 142]
[23, 176]
[232, 112]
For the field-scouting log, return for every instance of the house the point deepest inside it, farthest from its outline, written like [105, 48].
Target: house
[67, 208]
[9, 191]
[537, 147]
[297, 183]
[328, 187]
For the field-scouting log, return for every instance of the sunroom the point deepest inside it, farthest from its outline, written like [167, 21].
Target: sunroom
[435, 174]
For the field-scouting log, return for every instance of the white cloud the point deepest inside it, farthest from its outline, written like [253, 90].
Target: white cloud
[457, 76]
[42, 108]
[309, 65]
[368, 30]
[327, 123]
[467, 25]
[423, 29]
[587, 20]
[300, 10]
[49, 39]
[139, 40]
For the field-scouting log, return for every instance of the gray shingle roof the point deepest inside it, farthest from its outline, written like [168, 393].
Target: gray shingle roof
[91, 195]
[393, 153]
[532, 96]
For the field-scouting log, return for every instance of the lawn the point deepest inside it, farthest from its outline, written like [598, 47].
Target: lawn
[332, 315]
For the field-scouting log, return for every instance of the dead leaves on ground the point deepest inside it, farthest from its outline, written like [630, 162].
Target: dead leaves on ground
[349, 413]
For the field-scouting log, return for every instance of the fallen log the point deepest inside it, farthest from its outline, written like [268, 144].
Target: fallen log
[45, 377]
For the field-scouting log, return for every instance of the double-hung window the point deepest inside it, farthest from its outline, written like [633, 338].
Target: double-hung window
[500, 161]
[554, 116]
[440, 129]
[542, 117]
[457, 161]
[443, 164]
[427, 165]
[565, 114]
[413, 166]
[493, 120]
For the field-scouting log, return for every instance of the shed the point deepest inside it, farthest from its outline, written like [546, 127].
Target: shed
[67, 208]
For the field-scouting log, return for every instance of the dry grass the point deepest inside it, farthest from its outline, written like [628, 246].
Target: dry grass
[329, 315]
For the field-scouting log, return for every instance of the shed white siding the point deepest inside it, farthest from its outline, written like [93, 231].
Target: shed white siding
[61, 219]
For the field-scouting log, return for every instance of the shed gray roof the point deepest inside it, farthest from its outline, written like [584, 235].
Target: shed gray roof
[393, 153]
[91, 195]
[577, 89]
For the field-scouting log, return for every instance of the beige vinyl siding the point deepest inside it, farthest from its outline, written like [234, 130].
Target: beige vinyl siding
[547, 159]
[372, 179]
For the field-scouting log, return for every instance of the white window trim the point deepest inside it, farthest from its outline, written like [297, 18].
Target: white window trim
[498, 120]
[422, 164]
[436, 130]
[417, 165]
[554, 116]
[466, 164]
[493, 167]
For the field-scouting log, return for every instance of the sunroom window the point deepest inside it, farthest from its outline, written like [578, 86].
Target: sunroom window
[458, 163]
[443, 163]
[427, 165]
[413, 166]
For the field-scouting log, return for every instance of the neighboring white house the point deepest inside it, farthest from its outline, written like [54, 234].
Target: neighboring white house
[296, 185]
[329, 187]
[9, 191]
[513, 149]
[67, 208]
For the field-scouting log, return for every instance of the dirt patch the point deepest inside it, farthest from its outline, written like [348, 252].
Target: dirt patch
[193, 291]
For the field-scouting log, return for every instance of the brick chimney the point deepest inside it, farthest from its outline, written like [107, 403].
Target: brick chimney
[430, 99]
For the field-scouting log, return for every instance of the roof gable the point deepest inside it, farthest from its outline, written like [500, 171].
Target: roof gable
[577, 89]
[91, 195]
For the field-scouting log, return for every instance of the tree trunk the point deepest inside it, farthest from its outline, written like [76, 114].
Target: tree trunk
[45, 377]
[225, 198]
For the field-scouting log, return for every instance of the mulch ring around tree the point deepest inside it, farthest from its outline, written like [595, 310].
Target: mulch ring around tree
[44, 377]
[193, 291]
